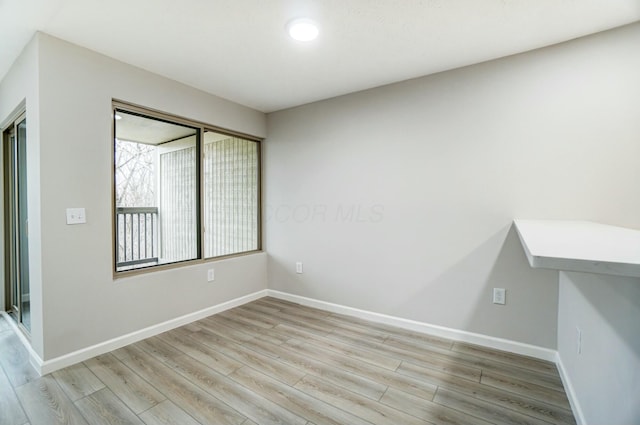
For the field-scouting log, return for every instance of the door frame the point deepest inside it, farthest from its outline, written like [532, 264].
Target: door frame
[11, 227]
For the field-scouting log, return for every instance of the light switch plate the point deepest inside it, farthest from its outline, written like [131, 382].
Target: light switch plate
[76, 216]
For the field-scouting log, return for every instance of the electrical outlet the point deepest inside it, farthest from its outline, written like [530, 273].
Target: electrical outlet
[211, 275]
[299, 267]
[578, 340]
[499, 295]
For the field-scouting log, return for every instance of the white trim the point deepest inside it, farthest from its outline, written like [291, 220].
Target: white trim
[426, 328]
[48, 366]
[34, 359]
[571, 393]
[83, 354]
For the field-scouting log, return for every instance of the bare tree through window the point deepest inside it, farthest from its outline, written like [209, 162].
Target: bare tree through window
[135, 174]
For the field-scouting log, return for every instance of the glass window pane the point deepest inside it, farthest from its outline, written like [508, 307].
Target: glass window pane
[231, 180]
[156, 190]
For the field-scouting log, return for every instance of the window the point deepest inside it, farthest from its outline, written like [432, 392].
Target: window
[230, 194]
[182, 191]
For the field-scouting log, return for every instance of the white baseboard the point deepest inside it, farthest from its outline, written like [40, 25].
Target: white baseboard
[48, 366]
[34, 359]
[426, 328]
[571, 394]
[51, 365]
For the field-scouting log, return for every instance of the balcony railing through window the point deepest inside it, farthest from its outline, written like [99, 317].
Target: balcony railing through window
[137, 229]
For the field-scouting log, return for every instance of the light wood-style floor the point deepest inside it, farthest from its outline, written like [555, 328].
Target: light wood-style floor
[275, 362]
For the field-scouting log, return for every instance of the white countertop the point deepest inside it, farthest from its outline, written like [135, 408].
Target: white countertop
[581, 246]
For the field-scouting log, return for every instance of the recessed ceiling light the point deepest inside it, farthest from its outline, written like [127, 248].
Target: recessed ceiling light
[303, 29]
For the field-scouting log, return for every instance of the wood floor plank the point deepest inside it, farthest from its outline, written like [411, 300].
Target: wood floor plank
[270, 366]
[525, 362]
[303, 312]
[483, 409]
[428, 410]
[158, 349]
[104, 408]
[215, 360]
[351, 351]
[462, 360]
[45, 403]
[277, 302]
[167, 413]
[227, 327]
[293, 331]
[192, 399]
[4, 326]
[356, 334]
[297, 315]
[247, 330]
[310, 325]
[134, 391]
[273, 362]
[426, 355]
[434, 376]
[301, 309]
[383, 376]
[431, 340]
[540, 408]
[77, 381]
[338, 323]
[357, 384]
[359, 326]
[252, 405]
[257, 319]
[281, 302]
[365, 408]
[124, 352]
[11, 412]
[298, 310]
[14, 358]
[261, 308]
[191, 327]
[293, 399]
[417, 355]
[529, 389]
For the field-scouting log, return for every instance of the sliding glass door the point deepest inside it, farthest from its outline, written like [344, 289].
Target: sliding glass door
[16, 224]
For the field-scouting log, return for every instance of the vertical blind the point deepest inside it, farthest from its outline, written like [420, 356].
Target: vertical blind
[178, 205]
[230, 196]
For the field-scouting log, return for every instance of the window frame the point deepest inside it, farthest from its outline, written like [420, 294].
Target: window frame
[201, 127]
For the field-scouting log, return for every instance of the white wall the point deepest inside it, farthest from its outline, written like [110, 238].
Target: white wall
[605, 376]
[18, 90]
[83, 305]
[435, 169]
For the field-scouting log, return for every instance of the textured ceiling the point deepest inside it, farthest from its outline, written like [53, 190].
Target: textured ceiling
[239, 50]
